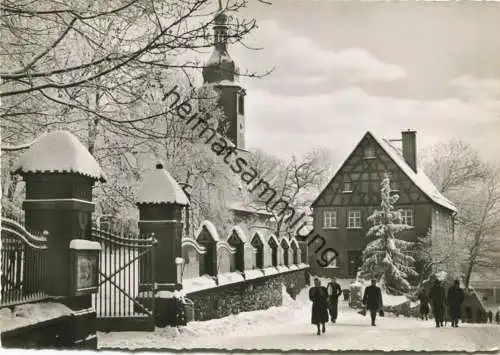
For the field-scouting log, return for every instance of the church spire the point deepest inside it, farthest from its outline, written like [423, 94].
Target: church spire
[219, 66]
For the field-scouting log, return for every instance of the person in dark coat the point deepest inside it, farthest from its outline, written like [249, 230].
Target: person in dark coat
[490, 316]
[424, 304]
[319, 297]
[454, 299]
[372, 299]
[437, 297]
[497, 317]
[334, 291]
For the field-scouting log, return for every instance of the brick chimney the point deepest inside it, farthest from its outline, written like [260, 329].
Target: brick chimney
[409, 139]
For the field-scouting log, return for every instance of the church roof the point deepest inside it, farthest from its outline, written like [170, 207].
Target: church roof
[419, 178]
[219, 56]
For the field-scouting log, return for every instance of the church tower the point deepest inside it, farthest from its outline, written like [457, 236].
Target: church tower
[221, 72]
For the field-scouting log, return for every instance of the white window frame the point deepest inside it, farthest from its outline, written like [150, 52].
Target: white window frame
[333, 263]
[367, 150]
[350, 186]
[404, 216]
[331, 217]
[352, 219]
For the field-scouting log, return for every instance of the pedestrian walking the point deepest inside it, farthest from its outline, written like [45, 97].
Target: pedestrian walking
[319, 297]
[454, 300]
[437, 297]
[497, 317]
[334, 291]
[372, 299]
[424, 304]
[490, 316]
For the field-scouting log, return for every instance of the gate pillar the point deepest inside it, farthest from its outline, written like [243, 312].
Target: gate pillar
[160, 201]
[59, 173]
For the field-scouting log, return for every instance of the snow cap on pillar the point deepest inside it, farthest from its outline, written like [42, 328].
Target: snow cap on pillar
[59, 152]
[160, 187]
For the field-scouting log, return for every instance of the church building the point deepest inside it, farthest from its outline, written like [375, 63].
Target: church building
[221, 72]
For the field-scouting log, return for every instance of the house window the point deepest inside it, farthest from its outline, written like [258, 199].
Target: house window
[330, 219]
[354, 219]
[241, 105]
[369, 152]
[407, 216]
[347, 186]
[330, 255]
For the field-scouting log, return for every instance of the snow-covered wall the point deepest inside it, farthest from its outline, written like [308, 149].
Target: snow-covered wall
[255, 293]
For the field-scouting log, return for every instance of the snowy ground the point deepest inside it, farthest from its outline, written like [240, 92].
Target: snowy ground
[289, 328]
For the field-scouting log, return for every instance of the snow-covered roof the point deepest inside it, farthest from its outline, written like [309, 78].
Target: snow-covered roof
[211, 230]
[286, 241]
[273, 237]
[239, 232]
[259, 235]
[219, 56]
[419, 178]
[59, 152]
[241, 206]
[160, 187]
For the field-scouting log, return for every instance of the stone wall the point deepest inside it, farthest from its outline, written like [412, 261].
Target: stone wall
[249, 295]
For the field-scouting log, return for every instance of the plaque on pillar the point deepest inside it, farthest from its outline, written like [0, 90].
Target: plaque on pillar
[84, 266]
[180, 269]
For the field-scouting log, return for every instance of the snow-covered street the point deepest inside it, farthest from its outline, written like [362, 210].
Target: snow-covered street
[288, 328]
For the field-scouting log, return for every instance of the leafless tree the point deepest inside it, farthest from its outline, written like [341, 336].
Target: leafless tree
[478, 227]
[453, 165]
[296, 182]
[101, 69]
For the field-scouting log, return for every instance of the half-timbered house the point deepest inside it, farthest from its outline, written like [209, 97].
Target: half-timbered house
[341, 210]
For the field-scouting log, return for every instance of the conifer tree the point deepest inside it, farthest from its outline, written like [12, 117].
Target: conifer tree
[386, 257]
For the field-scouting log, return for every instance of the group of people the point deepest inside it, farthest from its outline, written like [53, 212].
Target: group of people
[442, 302]
[439, 299]
[325, 302]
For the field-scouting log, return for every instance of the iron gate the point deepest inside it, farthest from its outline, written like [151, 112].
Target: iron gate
[124, 300]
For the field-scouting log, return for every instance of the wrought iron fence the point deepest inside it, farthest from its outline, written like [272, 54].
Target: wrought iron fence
[24, 266]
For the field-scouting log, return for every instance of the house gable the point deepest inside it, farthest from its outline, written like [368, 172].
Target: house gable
[363, 171]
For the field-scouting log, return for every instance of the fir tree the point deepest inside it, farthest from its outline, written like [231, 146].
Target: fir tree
[386, 257]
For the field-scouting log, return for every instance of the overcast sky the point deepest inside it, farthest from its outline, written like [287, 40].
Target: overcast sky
[342, 68]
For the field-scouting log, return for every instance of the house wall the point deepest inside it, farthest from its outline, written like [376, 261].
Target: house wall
[345, 240]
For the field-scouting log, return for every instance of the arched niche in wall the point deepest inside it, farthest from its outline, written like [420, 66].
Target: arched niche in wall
[192, 253]
[295, 251]
[225, 256]
[273, 245]
[207, 237]
[237, 240]
[285, 246]
[258, 242]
